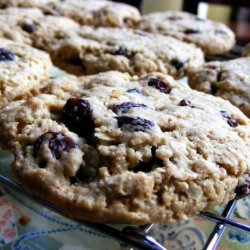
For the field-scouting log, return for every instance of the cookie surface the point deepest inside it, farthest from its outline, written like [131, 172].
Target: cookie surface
[24, 3]
[50, 30]
[212, 37]
[119, 149]
[22, 70]
[30, 26]
[17, 24]
[96, 13]
[95, 50]
[229, 80]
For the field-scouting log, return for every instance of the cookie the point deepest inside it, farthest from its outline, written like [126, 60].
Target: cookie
[85, 50]
[50, 30]
[24, 3]
[112, 148]
[32, 27]
[246, 50]
[18, 23]
[97, 13]
[22, 70]
[95, 50]
[212, 37]
[229, 80]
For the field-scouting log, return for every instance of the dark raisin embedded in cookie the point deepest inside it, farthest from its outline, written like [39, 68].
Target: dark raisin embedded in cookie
[122, 51]
[243, 190]
[84, 175]
[213, 89]
[231, 122]
[57, 143]
[219, 74]
[6, 55]
[153, 150]
[186, 103]
[126, 106]
[29, 27]
[191, 31]
[77, 116]
[134, 124]
[159, 84]
[177, 64]
[136, 91]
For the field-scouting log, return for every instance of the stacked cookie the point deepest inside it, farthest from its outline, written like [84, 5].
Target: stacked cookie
[123, 146]
[229, 80]
[213, 37]
[87, 50]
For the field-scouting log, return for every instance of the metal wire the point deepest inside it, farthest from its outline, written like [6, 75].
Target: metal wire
[215, 236]
[130, 235]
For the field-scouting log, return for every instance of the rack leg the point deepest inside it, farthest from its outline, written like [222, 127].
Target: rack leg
[219, 229]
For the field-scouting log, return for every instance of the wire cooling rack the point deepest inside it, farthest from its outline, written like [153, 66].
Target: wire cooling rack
[138, 237]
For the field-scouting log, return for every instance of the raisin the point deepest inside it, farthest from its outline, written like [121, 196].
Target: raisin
[186, 103]
[190, 31]
[77, 116]
[153, 150]
[126, 106]
[134, 124]
[177, 64]
[6, 55]
[243, 190]
[219, 74]
[136, 91]
[231, 122]
[159, 84]
[153, 163]
[84, 175]
[213, 90]
[122, 51]
[57, 144]
[29, 27]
